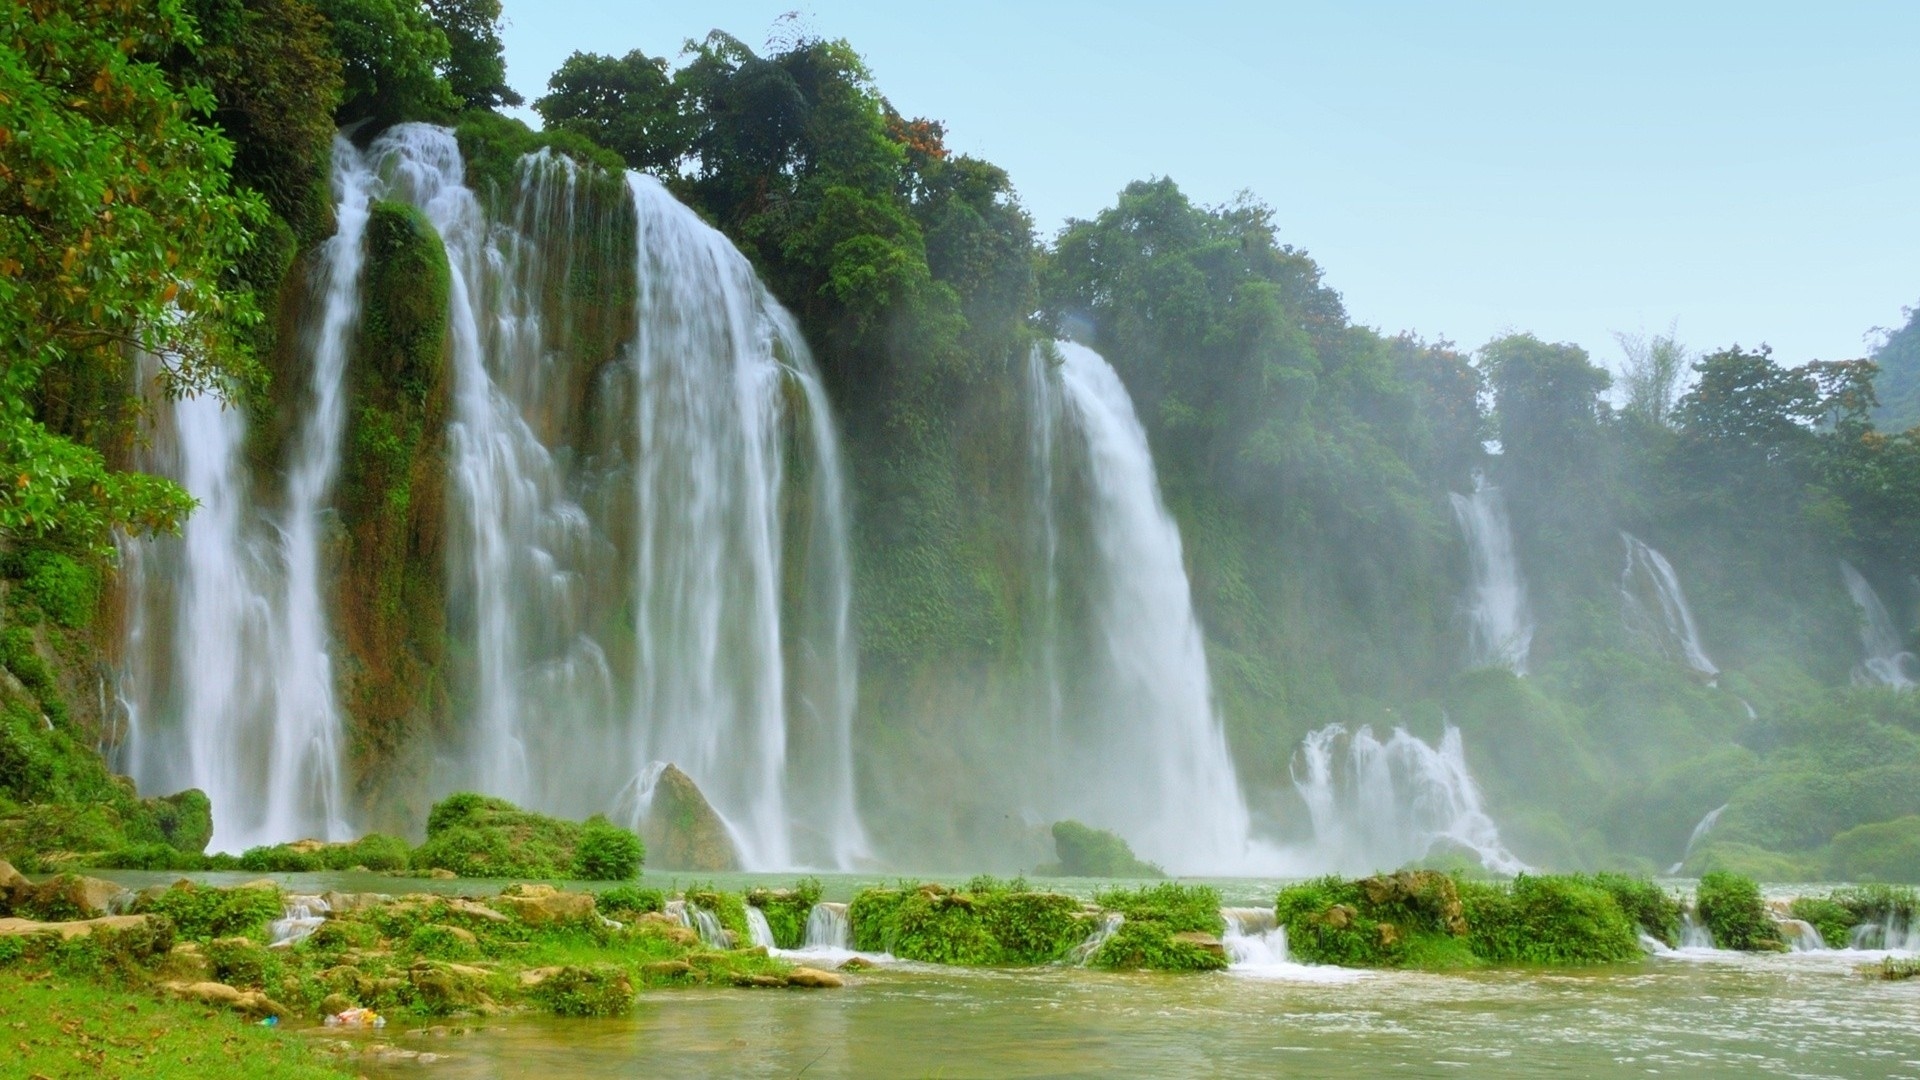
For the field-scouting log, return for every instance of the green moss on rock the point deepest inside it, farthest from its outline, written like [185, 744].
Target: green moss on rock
[479, 836]
[392, 495]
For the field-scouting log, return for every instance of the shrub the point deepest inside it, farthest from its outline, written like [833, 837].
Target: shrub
[1831, 919]
[990, 923]
[479, 836]
[606, 852]
[241, 962]
[1548, 920]
[200, 912]
[64, 589]
[1177, 907]
[871, 917]
[586, 991]
[1732, 911]
[375, 851]
[440, 942]
[1085, 851]
[150, 857]
[1883, 851]
[1650, 907]
[786, 910]
[1152, 946]
[627, 901]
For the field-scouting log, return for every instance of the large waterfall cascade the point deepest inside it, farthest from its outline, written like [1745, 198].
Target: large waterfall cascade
[1141, 747]
[647, 551]
[228, 680]
[1379, 805]
[1499, 621]
[1885, 663]
[1653, 604]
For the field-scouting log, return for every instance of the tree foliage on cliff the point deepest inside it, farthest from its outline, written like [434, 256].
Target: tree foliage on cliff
[118, 226]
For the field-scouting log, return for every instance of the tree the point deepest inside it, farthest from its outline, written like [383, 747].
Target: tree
[1652, 375]
[391, 54]
[1745, 401]
[476, 66]
[117, 229]
[627, 105]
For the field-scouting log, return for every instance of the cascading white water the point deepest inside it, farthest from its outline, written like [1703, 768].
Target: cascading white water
[1499, 622]
[1082, 954]
[1382, 805]
[229, 683]
[1253, 936]
[1667, 620]
[759, 931]
[1885, 662]
[704, 922]
[302, 915]
[828, 928]
[720, 371]
[1142, 750]
[1693, 933]
[679, 495]
[1699, 833]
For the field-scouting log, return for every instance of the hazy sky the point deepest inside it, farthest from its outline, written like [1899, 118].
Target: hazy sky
[1751, 170]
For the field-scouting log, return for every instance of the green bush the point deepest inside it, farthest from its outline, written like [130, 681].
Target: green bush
[606, 852]
[786, 910]
[1151, 946]
[1548, 920]
[992, 923]
[441, 943]
[1834, 922]
[1085, 851]
[1731, 909]
[479, 836]
[63, 588]
[1177, 907]
[200, 912]
[586, 991]
[150, 857]
[1647, 905]
[18, 652]
[241, 962]
[627, 901]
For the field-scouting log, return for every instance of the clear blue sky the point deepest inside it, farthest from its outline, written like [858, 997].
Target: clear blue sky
[1751, 170]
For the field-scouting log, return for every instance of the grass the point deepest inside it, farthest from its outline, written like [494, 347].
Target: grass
[63, 1028]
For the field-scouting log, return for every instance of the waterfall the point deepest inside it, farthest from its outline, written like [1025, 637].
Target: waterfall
[649, 554]
[228, 680]
[1382, 805]
[720, 368]
[300, 917]
[827, 928]
[1699, 833]
[1693, 933]
[704, 922]
[759, 931]
[1082, 954]
[1500, 625]
[1885, 663]
[1667, 620]
[1142, 751]
[1254, 937]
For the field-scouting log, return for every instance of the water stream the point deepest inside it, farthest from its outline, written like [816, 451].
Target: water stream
[1885, 663]
[1499, 621]
[1654, 606]
[1140, 749]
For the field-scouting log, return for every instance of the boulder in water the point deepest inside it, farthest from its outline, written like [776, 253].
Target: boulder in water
[814, 979]
[681, 829]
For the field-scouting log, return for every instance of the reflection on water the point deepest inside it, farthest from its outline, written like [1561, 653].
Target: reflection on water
[1805, 1015]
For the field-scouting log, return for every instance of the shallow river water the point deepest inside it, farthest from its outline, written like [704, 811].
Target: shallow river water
[1691, 1013]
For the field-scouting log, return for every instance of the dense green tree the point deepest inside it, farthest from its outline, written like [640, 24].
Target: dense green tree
[392, 54]
[1898, 386]
[627, 104]
[476, 65]
[118, 227]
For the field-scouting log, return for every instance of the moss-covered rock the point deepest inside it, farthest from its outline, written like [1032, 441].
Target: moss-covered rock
[1425, 919]
[681, 829]
[390, 594]
[989, 923]
[1085, 851]
[478, 836]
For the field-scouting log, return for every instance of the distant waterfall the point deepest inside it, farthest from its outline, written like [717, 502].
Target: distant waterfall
[1381, 805]
[228, 678]
[1500, 625]
[1885, 663]
[1653, 604]
[1699, 833]
[1141, 748]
